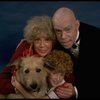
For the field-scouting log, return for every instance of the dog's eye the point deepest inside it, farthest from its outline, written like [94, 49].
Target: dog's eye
[38, 70]
[26, 71]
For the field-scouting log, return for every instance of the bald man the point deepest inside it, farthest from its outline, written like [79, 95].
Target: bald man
[82, 42]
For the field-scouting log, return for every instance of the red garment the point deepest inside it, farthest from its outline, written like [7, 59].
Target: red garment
[5, 81]
[5, 76]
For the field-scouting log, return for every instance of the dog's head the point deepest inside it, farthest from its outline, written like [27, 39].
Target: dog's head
[30, 72]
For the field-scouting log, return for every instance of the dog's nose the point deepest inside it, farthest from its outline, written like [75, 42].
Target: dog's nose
[34, 86]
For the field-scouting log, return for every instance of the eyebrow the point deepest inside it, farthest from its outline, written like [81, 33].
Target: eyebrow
[66, 27]
[57, 29]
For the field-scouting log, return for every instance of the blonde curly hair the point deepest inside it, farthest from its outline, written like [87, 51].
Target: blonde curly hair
[38, 25]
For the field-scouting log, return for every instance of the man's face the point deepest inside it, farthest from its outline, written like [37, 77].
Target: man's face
[66, 31]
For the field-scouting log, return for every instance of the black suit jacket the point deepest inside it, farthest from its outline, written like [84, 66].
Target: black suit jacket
[87, 66]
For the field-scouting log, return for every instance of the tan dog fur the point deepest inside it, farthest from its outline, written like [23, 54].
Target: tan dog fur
[32, 75]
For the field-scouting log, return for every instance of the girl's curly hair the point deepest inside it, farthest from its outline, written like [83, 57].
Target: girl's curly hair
[59, 62]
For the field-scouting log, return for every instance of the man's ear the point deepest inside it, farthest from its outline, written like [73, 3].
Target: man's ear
[77, 24]
[49, 64]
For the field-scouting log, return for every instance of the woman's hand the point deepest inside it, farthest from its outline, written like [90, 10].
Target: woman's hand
[16, 84]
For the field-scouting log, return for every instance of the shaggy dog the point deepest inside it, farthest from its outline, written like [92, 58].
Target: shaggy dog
[31, 73]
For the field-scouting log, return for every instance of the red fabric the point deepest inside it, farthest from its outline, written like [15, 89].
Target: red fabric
[19, 52]
[5, 76]
[5, 81]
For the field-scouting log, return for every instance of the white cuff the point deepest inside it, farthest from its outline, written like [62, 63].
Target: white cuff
[76, 92]
[52, 95]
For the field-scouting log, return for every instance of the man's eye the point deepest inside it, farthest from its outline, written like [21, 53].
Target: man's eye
[67, 29]
[58, 31]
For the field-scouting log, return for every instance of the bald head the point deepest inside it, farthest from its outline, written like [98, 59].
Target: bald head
[63, 13]
[66, 26]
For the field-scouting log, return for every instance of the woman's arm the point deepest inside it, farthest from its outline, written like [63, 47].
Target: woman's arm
[5, 76]
[5, 81]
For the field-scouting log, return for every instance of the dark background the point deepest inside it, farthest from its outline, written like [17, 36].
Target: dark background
[14, 14]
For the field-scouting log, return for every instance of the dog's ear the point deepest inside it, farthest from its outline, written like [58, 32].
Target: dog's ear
[16, 63]
[49, 64]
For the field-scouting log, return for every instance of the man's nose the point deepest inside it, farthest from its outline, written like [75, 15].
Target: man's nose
[63, 34]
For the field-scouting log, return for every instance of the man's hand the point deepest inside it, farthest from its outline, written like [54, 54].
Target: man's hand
[66, 90]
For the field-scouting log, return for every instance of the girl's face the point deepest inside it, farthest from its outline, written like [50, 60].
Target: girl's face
[42, 45]
[56, 79]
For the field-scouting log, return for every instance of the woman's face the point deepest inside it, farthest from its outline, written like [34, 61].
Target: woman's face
[42, 44]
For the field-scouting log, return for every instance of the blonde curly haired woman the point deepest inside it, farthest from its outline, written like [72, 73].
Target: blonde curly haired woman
[38, 39]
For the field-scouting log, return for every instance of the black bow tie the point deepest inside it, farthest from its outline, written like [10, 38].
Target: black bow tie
[75, 50]
[74, 46]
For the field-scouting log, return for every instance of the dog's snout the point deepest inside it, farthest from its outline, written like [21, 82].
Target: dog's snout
[34, 86]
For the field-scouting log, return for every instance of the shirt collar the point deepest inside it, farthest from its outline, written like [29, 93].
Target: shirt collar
[77, 36]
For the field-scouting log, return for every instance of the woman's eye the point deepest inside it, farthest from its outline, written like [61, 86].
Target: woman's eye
[37, 39]
[48, 39]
